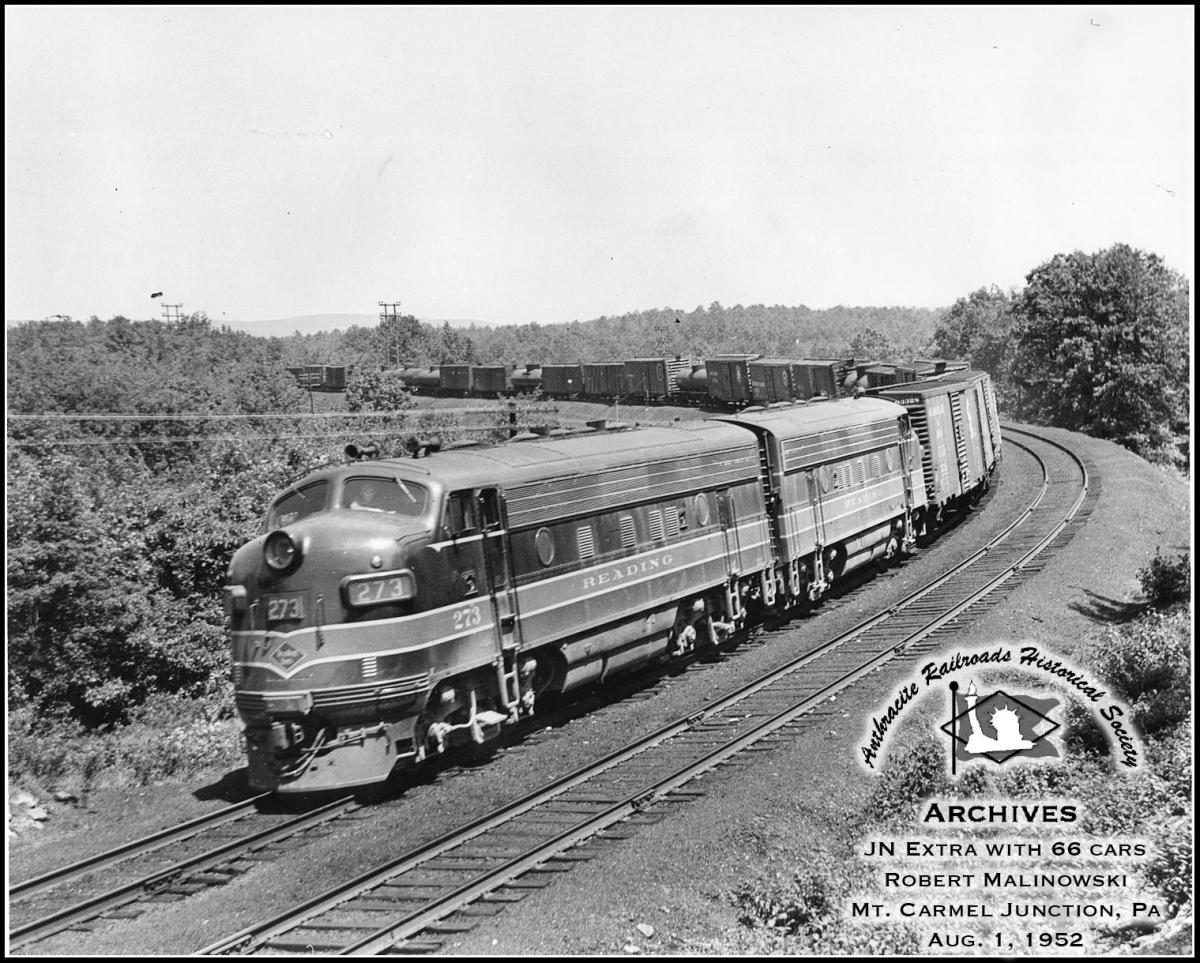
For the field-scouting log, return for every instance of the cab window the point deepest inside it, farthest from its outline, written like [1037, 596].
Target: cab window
[460, 513]
[391, 495]
[489, 510]
[298, 504]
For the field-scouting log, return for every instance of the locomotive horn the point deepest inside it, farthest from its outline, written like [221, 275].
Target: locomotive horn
[358, 453]
[419, 447]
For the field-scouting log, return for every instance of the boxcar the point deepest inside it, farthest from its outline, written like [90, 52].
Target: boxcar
[562, 380]
[881, 375]
[771, 380]
[729, 378]
[605, 380]
[489, 379]
[954, 415]
[456, 378]
[821, 376]
[654, 378]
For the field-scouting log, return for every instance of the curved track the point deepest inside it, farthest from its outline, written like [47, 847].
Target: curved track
[438, 888]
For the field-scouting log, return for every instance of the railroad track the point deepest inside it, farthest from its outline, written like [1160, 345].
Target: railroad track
[410, 904]
[160, 868]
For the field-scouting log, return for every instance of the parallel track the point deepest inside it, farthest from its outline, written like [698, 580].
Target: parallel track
[437, 889]
[180, 876]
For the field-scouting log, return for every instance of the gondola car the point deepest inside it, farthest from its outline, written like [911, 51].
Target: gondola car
[398, 607]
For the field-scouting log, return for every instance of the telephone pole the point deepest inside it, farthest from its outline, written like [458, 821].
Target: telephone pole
[389, 321]
[172, 313]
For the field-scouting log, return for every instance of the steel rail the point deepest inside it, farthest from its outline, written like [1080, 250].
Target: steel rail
[139, 847]
[161, 880]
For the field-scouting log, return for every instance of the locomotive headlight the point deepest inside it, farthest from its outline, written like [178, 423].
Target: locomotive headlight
[280, 552]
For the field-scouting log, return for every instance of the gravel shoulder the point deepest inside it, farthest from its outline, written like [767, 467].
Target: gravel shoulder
[676, 876]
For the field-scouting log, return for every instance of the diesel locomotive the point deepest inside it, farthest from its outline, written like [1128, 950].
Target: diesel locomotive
[394, 608]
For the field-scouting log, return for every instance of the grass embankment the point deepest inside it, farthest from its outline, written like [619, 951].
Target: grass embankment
[1147, 661]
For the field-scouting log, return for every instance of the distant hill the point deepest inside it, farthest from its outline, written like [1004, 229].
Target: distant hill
[314, 323]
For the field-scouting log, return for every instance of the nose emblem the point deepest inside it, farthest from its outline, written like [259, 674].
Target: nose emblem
[287, 655]
[376, 561]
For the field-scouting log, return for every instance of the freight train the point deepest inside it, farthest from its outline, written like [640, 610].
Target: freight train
[394, 608]
[722, 381]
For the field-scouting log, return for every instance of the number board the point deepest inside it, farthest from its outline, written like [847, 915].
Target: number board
[286, 607]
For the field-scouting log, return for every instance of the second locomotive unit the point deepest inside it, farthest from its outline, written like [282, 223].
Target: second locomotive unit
[398, 607]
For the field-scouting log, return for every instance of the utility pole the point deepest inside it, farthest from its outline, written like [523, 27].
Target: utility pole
[172, 313]
[389, 320]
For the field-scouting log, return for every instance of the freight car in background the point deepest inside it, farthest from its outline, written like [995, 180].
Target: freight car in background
[731, 381]
[322, 377]
[396, 608]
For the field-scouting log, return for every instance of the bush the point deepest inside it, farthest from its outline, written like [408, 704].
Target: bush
[1166, 581]
[1148, 661]
[798, 907]
[1170, 869]
[167, 737]
[375, 391]
[908, 776]
[807, 914]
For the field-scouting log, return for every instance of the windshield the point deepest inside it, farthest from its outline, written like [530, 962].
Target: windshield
[299, 504]
[394, 496]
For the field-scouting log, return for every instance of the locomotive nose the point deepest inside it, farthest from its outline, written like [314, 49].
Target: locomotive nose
[341, 561]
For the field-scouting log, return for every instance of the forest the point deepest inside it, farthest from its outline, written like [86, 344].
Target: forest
[140, 455]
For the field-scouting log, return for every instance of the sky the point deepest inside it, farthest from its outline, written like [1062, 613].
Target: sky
[548, 164]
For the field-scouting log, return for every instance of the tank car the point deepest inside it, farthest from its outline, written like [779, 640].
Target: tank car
[693, 385]
[527, 378]
[394, 608]
[422, 380]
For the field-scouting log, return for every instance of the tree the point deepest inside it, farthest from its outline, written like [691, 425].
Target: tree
[871, 344]
[1101, 346]
[978, 329]
[403, 339]
[376, 391]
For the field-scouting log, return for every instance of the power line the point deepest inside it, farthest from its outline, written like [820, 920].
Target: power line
[184, 439]
[197, 416]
